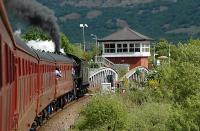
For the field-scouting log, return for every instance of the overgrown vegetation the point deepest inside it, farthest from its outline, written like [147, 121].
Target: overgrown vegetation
[103, 113]
[169, 100]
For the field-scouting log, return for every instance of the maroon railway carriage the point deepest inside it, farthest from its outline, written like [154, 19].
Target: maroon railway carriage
[46, 80]
[27, 84]
[65, 83]
[8, 89]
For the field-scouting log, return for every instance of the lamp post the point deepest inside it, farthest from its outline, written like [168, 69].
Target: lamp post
[97, 46]
[95, 37]
[169, 54]
[83, 27]
[154, 54]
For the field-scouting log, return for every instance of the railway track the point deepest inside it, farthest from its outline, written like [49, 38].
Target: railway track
[64, 119]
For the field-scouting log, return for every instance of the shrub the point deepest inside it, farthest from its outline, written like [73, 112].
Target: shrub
[150, 117]
[103, 112]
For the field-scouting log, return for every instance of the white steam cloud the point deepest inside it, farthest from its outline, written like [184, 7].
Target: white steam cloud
[47, 46]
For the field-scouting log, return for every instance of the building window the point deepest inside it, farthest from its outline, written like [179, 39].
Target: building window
[137, 47]
[125, 48]
[122, 48]
[132, 47]
[109, 48]
[119, 47]
[145, 48]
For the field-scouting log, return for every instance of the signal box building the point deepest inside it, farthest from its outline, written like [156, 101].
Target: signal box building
[127, 46]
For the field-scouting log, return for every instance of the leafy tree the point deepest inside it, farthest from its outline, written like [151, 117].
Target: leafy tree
[179, 83]
[65, 43]
[162, 48]
[69, 47]
[35, 33]
[87, 56]
[188, 52]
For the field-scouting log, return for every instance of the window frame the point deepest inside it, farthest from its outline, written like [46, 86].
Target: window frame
[137, 48]
[132, 47]
[109, 48]
[145, 47]
[125, 48]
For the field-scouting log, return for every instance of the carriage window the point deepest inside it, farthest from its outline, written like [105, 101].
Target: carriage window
[19, 62]
[0, 62]
[6, 63]
[43, 68]
[14, 67]
[36, 68]
[26, 71]
[11, 66]
[27, 66]
[23, 67]
[33, 70]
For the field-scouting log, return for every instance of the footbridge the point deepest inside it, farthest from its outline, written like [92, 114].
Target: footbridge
[101, 75]
[136, 73]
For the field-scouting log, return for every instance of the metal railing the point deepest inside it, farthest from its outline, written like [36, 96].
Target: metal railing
[102, 61]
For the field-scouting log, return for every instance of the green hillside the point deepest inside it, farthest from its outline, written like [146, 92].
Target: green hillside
[175, 20]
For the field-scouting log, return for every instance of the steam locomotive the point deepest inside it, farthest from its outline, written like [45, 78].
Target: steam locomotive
[29, 89]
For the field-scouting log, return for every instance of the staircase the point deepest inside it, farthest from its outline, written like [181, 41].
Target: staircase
[102, 61]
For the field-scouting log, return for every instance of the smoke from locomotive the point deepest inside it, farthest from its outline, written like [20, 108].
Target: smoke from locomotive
[38, 15]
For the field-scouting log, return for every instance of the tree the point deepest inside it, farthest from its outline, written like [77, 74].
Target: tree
[70, 48]
[188, 52]
[35, 33]
[162, 48]
[65, 44]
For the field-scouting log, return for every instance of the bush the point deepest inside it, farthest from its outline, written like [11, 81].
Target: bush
[150, 117]
[187, 116]
[103, 112]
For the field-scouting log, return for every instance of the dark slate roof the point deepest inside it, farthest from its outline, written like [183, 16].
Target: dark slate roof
[21, 44]
[43, 56]
[126, 34]
[61, 58]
